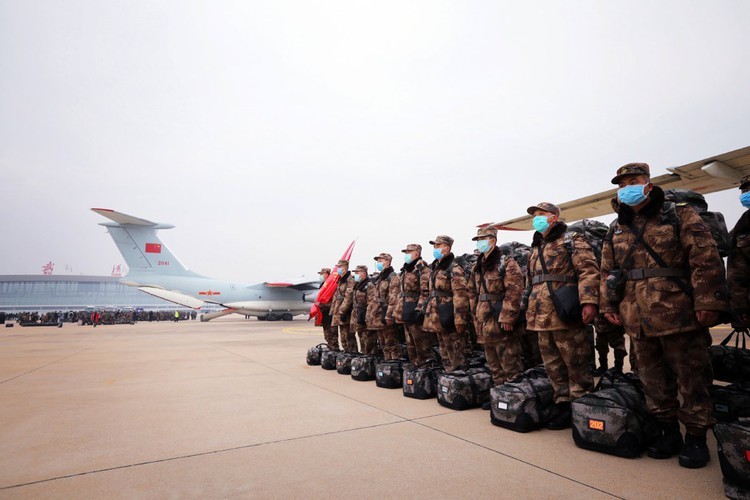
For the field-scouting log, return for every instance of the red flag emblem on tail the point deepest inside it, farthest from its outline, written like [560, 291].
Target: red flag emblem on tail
[153, 247]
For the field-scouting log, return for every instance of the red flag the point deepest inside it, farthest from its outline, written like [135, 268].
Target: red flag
[153, 248]
[329, 287]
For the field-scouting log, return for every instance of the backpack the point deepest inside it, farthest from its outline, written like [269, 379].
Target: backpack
[363, 367]
[389, 374]
[714, 220]
[614, 418]
[733, 441]
[421, 382]
[593, 231]
[328, 360]
[314, 354]
[524, 404]
[461, 390]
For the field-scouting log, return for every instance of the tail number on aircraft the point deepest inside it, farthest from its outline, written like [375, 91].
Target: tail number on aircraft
[162, 262]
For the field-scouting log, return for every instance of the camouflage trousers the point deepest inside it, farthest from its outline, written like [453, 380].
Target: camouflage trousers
[368, 340]
[530, 349]
[677, 362]
[614, 339]
[388, 340]
[566, 354]
[503, 352]
[348, 338]
[452, 349]
[419, 343]
[331, 338]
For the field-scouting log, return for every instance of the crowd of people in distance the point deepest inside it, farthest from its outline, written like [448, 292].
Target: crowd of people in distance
[95, 317]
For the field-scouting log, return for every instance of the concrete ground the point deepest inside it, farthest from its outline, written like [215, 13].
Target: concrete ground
[229, 408]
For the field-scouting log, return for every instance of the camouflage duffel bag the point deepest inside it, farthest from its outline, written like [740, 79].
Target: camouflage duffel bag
[344, 362]
[524, 404]
[733, 441]
[461, 390]
[730, 402]
[314, 354]
[421, 382]
[731, 363]
[614, 420]
[328, 359]
[389, 374]
[363, 367]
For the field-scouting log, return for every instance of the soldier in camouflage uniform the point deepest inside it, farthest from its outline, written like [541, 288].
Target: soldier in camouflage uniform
[341, 307]
[368, 340]
[609, 335]
[738, 264]
[673, 289]
[447, 308]
[380, 301]
[570, 261]
[413, 291]
[495, 294]
[329, 334]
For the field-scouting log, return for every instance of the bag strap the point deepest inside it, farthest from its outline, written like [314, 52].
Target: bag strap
[737, 333]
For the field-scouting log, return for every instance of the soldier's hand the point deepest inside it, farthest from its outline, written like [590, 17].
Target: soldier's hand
[589, 313]
[613, 318]
[389, 321]
[460, 329]
[707, 318]
[508, 327]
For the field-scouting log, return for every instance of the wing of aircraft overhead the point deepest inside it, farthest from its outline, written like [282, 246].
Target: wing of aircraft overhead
[716, 173]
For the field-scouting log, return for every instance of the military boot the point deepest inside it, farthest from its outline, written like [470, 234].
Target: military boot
[669, 441]
[561, 417]
[620, 360]
[603, 365]
[694, 454]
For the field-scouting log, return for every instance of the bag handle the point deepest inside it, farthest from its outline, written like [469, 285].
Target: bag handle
[736, 333]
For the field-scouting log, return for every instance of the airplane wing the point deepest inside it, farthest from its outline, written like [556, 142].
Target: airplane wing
[716, 173]
[301, 286]
[175, 297]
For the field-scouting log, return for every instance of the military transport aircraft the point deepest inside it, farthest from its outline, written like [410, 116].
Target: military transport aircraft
[716, 173]
[156, 271]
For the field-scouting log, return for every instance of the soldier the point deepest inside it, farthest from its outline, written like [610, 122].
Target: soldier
[341, 307]
[738, 264]
[557, 261]
[381, 298]
[495, 292]
[329, 334]
[663, 280]
[609, 335]
[414, 289]
[447, 308]
[368, 340]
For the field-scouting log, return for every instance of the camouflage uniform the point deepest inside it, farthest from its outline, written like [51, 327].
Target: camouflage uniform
[496, 280]
[609, 335]
[368, 340]
[414, 288]
[738, 266]
[341, 310]
[380, 315]
[565, 347]
[329, 334]
[670, 344]
[449, 292]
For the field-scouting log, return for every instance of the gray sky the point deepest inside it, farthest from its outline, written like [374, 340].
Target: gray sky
[273, 133]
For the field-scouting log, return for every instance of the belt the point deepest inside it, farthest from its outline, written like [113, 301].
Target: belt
[662, 272]
[410, 295]
[437, 293]
[541, 278]
[490, 297]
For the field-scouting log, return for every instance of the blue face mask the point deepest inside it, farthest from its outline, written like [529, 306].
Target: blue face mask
[408, 258]
[745, 199]
[483, 245]
[437, 253]
[632, 195]
[357, 278]
[340, 271]
[541, 223]
[379, 266]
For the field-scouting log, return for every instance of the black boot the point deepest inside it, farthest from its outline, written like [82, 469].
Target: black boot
[619, 359]
[694, 454]
[561, 417]
[669, 441]
[603, 365]
[487, 405]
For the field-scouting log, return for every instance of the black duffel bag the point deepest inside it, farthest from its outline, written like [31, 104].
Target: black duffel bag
[314, 354]
[731, 363]
[730, 402]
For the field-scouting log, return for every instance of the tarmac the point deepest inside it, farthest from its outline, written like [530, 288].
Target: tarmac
[230, 409]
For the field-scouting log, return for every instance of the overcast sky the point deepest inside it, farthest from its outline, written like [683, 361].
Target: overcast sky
[271, 134]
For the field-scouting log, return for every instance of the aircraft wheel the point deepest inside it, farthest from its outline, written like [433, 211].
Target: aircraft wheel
[286, 317]
[272, 317]
[261, 318]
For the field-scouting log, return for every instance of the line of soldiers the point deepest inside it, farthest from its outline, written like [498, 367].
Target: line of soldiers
[660, 280]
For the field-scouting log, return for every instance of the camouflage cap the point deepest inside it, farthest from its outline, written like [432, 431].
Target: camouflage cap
[745, 182]
[385, 256]
[325, 270]
[631, 169]
[411, 247]
[360, 268]
[343, 262]
[485, 231]
[442, 239]
[546, 206]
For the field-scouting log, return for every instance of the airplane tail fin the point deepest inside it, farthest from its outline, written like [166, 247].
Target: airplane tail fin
[139, 245]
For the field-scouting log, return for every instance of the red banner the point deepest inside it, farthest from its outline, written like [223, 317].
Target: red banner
[153, 248]
[329, 287]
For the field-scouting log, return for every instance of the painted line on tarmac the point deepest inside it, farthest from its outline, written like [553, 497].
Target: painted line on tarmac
[300, 331]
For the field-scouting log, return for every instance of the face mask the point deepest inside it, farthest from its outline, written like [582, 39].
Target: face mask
[340, 271]
[632, 195]
[483, 245]
[408, 258]
[357, 278]
[321, 278]
[745, 199]
[541, 223]
[437, 253]
[379, 266]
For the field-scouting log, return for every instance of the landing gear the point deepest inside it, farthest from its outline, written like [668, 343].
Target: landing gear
[287, 317]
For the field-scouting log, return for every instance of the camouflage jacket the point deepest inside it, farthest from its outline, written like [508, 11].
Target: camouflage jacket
[655, 306]
[384, 290]
[447, 287]
[496, 281]
[325, 311]
[569, 255]
[341, 303]
[413, 286]
[738, 266]
[359, 305]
